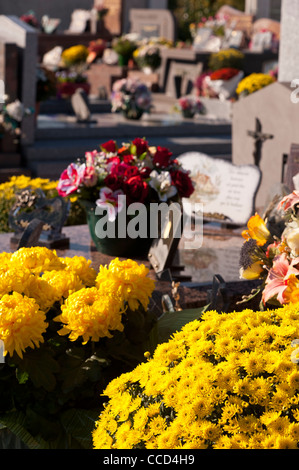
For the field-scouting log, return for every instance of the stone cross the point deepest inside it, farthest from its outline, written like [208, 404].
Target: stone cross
[259, 139]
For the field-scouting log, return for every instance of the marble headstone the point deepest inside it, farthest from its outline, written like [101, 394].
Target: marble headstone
[153, 22]
[226, 191]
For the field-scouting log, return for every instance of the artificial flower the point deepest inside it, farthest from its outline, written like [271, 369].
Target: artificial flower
[257, 230]
[110, 201]
[70, 179]
[162, 183]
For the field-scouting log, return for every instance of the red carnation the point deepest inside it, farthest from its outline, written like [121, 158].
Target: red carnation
[182, 182]
[130, 172]
[136, 189]
[162, 157]
[112, 182]
[109, 146]
[141, 145]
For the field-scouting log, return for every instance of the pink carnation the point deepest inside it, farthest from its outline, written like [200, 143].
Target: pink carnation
[70, 179]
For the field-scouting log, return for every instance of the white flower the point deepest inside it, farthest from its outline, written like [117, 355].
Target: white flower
[112, 201]
[161, 182]
[15, 110]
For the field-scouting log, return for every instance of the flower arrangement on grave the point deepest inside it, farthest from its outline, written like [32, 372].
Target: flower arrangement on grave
[231, 58]
[223, 82]
[131, 97]
[30, 19]
[271, 253]
[12, 114]
[114, 177]
[66, 330]
[75, 55]
[224, 381]
[124, 46]
[215, 23]
[189, 106]
[253, 83]
[95, 50]
[16, 184]
[71, 77]
[147, 57]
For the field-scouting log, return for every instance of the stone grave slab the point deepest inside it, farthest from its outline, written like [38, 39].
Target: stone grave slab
[226, 191]
[153, 23]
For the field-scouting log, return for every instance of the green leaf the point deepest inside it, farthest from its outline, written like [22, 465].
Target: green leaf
[170, 322]
[22, 376]
[16, 423]
[79, 424]
[41, 368]
[72, 372]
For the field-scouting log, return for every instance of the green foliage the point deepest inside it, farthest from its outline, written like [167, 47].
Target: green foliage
[51, 398]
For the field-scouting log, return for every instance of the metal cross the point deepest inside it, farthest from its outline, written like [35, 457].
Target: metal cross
[259, 138]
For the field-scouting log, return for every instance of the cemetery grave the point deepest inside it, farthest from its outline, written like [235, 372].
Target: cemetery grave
[211, 123]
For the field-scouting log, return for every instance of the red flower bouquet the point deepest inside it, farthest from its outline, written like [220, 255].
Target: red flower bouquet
[224, 74]
[135, 170]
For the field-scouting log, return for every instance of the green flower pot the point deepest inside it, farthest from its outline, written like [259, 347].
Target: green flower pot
[114, 246]
[123, 60]
[187, 113]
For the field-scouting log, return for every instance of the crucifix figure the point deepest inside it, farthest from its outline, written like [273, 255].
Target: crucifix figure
[259, 138]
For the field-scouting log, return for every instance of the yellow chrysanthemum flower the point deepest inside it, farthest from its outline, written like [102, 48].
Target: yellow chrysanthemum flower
[82, 267]
[22, 323]
[38, 259]
[128, 281]
[90, 315]
[247, 400]
[254, 82]
[63, 283]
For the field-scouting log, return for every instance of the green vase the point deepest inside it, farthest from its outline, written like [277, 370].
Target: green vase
[114, 246]
[187, 113]
[123, 60]
[133, 113]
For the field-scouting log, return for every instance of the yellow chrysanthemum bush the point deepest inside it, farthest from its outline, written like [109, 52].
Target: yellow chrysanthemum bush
[66, 331]
[224, 381]
[253, 83]
[10, 189]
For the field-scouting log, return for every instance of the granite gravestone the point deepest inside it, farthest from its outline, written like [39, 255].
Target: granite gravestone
[226, 191]
[15, 31]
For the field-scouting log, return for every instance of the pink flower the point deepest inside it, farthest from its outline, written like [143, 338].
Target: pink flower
[112, 201]
[70, 179]
[278, 276]
[89, 177]
[289, 201]
[90, 157]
